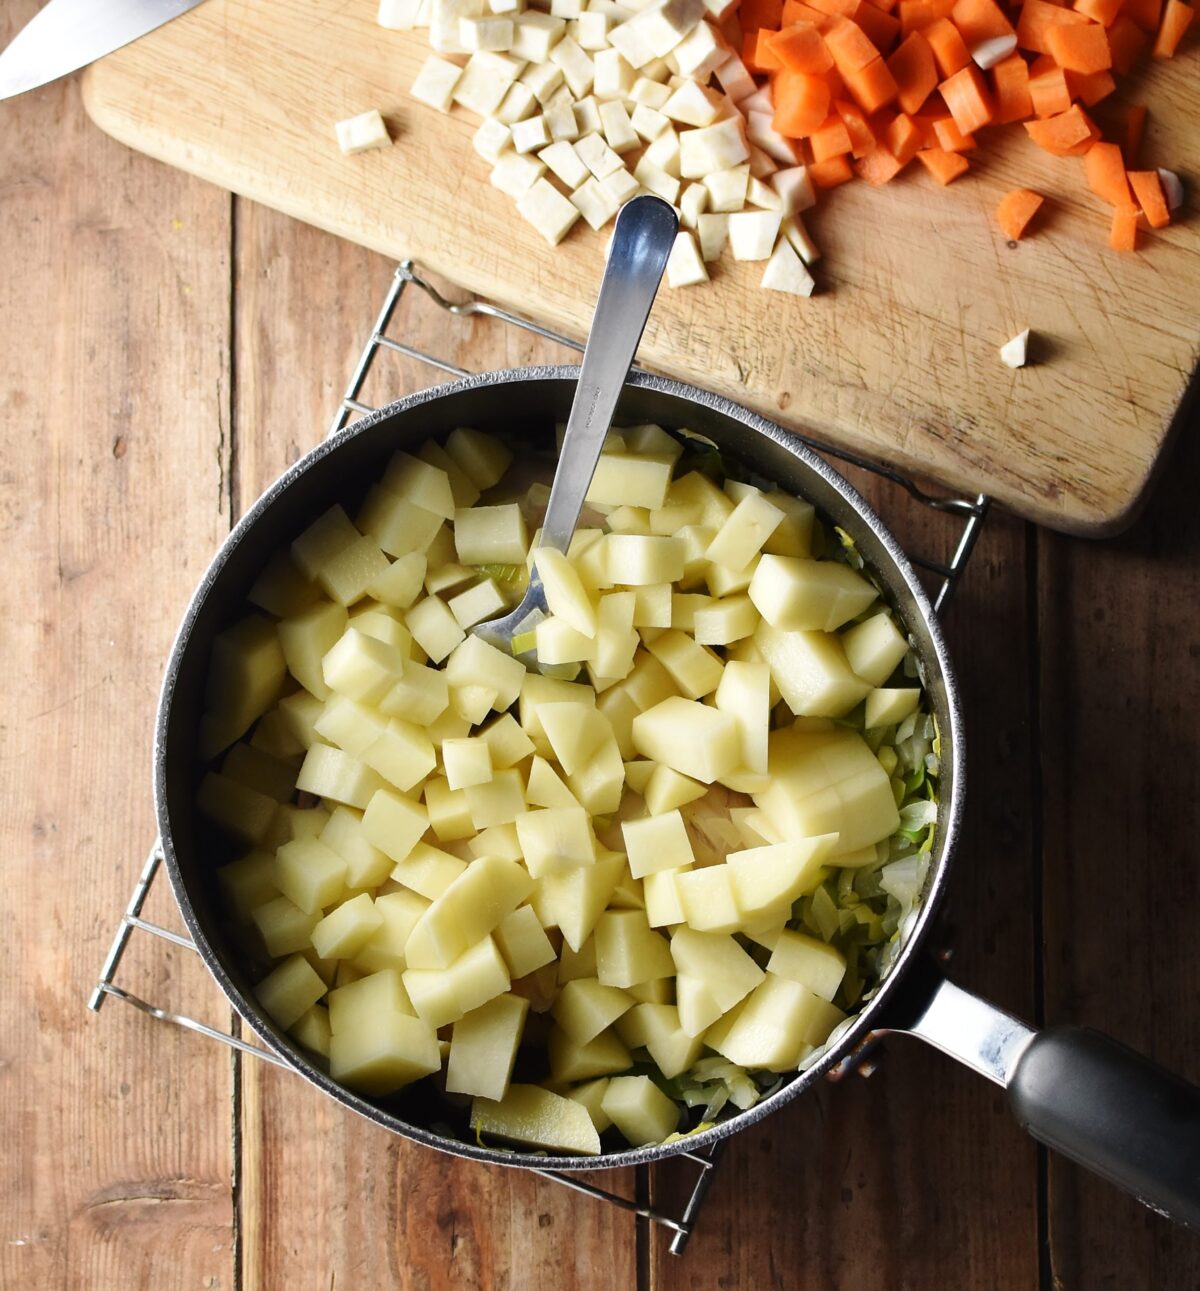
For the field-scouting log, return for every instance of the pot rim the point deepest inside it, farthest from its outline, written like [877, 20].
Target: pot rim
[866, 1021]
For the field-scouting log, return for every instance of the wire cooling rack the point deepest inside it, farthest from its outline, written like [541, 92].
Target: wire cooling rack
[968, 514]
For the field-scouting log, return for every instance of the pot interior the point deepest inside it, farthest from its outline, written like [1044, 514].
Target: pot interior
[521, 406]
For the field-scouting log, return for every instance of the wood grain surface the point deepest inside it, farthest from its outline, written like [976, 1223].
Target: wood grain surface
[896, 356]
[160, 363]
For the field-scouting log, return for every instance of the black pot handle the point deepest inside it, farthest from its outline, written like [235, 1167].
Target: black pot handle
[1082, 1094]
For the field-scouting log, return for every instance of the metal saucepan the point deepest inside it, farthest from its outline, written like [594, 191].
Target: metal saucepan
[1074, 1089]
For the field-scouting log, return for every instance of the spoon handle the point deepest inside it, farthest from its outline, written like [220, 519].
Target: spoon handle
[641, 243]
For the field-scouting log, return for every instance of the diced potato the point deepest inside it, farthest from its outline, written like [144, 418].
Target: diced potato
[402, 753]
[427, 870]
[322, 540]
[399, 526]
[571, 1062]
[774, 1027]
[697, 1006]
[718, 961]
[573, 964]
[639, 771]
[767, 879]
[420, 483]
[478, 604]
[400, 912]
[248, 883]
[657, 843]
[311, 1029]
[393, 823]
[346, 930]
[554, 839]
[467, 911]
[639, 1109]
[574, 901]
[443, 995]
[630, 479]
[362, 667]
[484, 1047]
[309, 874]
[890, 707]
[694, 670]
[239, 810]
[497, 840]
[708, 899]
[663, 906]
[628, 950]
[811, 671]
[874, 648]
[499, 802]
[366, 865]
[284, 927]
[590, 1095]
[537, 691]
[258, 770]
[672, 1049]
[810, 962]
[545, 789]
[586, 1007]
[491, 535]
[467, 762]
[635, 560]
[696, 740]
[523, 942]
[448, 809]
[400, 584]
[574, 732]
[475, 663]
[667, 790]
[725, 621]
[347, 576]
[434, 628]
[793, 593]
[352, 726]
[393, 1052]
[281, 589]
[533, 1116]
[508, 743]
[744, 532]
[565, 594]
[289, 990]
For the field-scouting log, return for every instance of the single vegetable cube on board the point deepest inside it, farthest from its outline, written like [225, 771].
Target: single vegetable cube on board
[367, 130]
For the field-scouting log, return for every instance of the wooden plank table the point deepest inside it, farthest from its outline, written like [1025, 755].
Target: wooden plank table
[167, 350]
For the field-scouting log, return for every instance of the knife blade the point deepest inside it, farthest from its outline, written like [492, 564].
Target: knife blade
[68, 34]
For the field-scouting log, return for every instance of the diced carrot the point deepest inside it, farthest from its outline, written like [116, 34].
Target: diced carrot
[950, 138]
[1128, 43]
[878, 166]
[837, 87]
[765, 58]
[1080, 49]
[979, 20]
[1176, 19]
[1015, 211]
[888, 6]
[1049, 92]
[835, 8]
[1135, 128]
[1042, 63]
[798, 11]
[949, 49]
[1102, 11]
[1062, 133]
[915, 15]
[850, 47]
[760, 13]
[1010, 78]
[1147, 188]
[1146, 13]
[800, 48]
[882, 28]
[945, 167]
[903, 138]
[831, 173]
[966, 95]
[1104, 169]
[862, 140]
[1037, 17]
[873, 87]
[1124, 229]
[926, 123]
[912, 68]
[830, 139]
[1090, 87]
[801, 103]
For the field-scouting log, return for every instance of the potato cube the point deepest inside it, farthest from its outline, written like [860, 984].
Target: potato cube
[311, 1029]
[284, 927]
[393, 1052]
[248, 883]
[698, 741]
[523, 942]
[586, 1007]
[573, 901]
[657, 843]
[482, 457]
[347, 576]
[400, 584]
[362, 667]
[468, 910]
[347, 929]
[708, 899]
[744, 532]
[718, 961]
[355, 1006]
[732, 619]
[628, 950]
[565, 594]
[590, 1096]
[793, 536]
[441, 996]
[745, 694]
[631, 479]
[322, 540]
[694, 670]
[236, 808]
[888, 707]
[575, 733]
[475, 663]
[289, 991]
[810, 962]
[535, 1117]
[545, 789]
[497, 840]
[385, 949]
[768, 879]
[499, 802]
[663, 907]
[281, 589]
[809, 595]
[874, 648]
[672, 1049]
[307, 638]
[811, 671]
[399, 527]
[434, 628]
[554, 839]
[403, 754]
[697, 1006]
[536, 691]
[600, 783]
[394, 823]
[448, 810]
[428, 870]
[774, 1027]
[570, 1061]
[309, 874]
[556, 642]
[330, 773]
[352, 726]
[483, 1047]
[467, 762]
[639, 1109]
[420, 483]
[420, 696]
[366, 865]
[246, 670]
[491, 535]
[636, 560]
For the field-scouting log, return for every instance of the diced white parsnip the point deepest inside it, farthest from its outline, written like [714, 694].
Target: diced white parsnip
[487, 32]
[436, 82]
[1013, 353]
[800, 240]
[752, 234]
[564, 161]
[656, 180]
[685, 265]
[597, 156]
[734, 78]
[716, 147]
[713, 231]
[529, 135]
[360, 133]
[515, 174]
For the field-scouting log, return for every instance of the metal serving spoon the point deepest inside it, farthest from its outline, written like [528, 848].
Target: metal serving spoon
[641, 243]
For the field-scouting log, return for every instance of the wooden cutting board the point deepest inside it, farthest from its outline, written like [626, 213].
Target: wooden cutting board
[896, 356]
